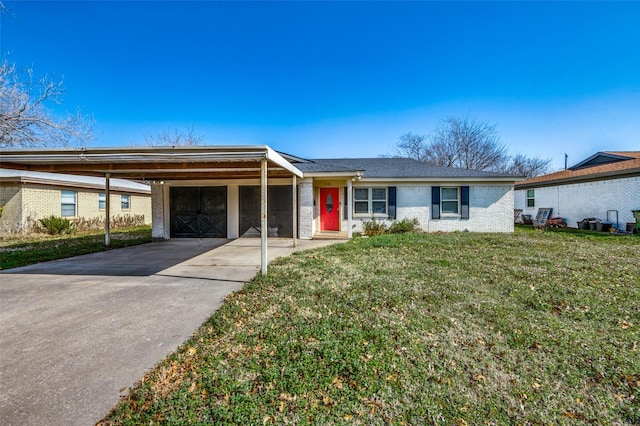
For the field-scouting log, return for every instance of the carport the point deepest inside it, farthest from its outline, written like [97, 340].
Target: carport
[158, 165]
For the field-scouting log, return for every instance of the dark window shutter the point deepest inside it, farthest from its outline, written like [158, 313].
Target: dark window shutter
[435, 202]
[464, 202]
[392, 202]
[345, 208]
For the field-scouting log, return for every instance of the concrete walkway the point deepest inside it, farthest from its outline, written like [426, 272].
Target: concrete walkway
[75, 334]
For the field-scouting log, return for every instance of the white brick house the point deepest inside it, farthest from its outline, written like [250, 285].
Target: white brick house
[216, 191]
[606, 182]
[387, 189]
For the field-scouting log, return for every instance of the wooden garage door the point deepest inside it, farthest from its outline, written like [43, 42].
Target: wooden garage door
[199, 212]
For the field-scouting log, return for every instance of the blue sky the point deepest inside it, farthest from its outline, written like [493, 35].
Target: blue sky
[341, 79]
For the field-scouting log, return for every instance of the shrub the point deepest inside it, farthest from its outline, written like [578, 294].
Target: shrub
[57, 225]
[404, 226]
[97, 223]
[373, 227]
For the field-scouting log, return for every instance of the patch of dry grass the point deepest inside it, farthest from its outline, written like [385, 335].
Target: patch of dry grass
[530, 328]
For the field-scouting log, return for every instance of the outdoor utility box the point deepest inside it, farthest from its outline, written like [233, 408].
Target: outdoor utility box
[603, 226]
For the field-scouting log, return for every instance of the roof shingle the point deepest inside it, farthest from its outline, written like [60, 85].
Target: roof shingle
[631, 166]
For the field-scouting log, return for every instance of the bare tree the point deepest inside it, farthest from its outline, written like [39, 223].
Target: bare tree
[468, 144]
[412, 146]
[521, 165]
[167, 138]
[24, 119]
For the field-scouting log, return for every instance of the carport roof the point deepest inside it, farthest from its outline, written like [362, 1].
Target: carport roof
[199, 162]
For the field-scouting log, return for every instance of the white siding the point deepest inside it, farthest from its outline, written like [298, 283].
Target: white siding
[577, 201]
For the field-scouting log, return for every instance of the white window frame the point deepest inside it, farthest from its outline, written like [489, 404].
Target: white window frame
[122, 202]
[67, 203]
[102, 201]
[370, 202]
[531, 198]
[443, 212]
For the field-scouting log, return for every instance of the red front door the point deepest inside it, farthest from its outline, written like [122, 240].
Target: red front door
[329, 214]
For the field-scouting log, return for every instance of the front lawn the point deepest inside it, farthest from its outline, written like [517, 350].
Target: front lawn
[42, 247]
[463, 328]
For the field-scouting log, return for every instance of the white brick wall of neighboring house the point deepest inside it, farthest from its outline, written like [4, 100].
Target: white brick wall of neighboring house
[577, 201]
[490, 210]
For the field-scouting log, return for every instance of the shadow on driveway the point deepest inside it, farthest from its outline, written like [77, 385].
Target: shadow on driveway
[136, 261]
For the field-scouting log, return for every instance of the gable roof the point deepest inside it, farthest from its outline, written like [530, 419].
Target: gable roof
[394, 168]
[600, 166]
[72, 181]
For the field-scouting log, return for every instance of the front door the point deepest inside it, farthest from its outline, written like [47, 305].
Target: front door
[329, 212]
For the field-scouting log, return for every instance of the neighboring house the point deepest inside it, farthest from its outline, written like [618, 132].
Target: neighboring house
[216, 191]
[27, 196]
[601, 185]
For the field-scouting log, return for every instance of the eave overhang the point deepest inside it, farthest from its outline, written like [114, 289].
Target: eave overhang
[618, 174]
[67, 184]
[153, 162]
[443, 179]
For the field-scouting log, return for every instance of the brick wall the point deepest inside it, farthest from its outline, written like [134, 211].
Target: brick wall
[306, 211]
[39, 201]
[157, 212]
[11, 203]
[490, 210]
[577, 201]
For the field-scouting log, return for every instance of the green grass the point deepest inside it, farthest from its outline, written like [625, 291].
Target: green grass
[42, 248]
[463, 328]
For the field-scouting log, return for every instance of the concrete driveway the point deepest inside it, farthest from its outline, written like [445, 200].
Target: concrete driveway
[75, 334]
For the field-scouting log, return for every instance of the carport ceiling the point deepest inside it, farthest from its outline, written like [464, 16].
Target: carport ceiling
[154, 163]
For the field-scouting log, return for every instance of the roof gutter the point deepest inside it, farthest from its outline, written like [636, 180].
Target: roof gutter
[578, 179]
[510, 180]
[85, 185]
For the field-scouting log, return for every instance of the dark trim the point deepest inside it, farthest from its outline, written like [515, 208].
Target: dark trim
[435, 202]
[345, 203]
[392, 202]
[464, 202]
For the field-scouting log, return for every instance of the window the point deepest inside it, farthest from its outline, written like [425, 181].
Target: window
[531, 197]
[68, 203]
[102, 201]
[452, 202]
[125, 202]
[449, 200]
[370, 201]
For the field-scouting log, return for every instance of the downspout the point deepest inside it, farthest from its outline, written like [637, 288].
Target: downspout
[107, 224]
